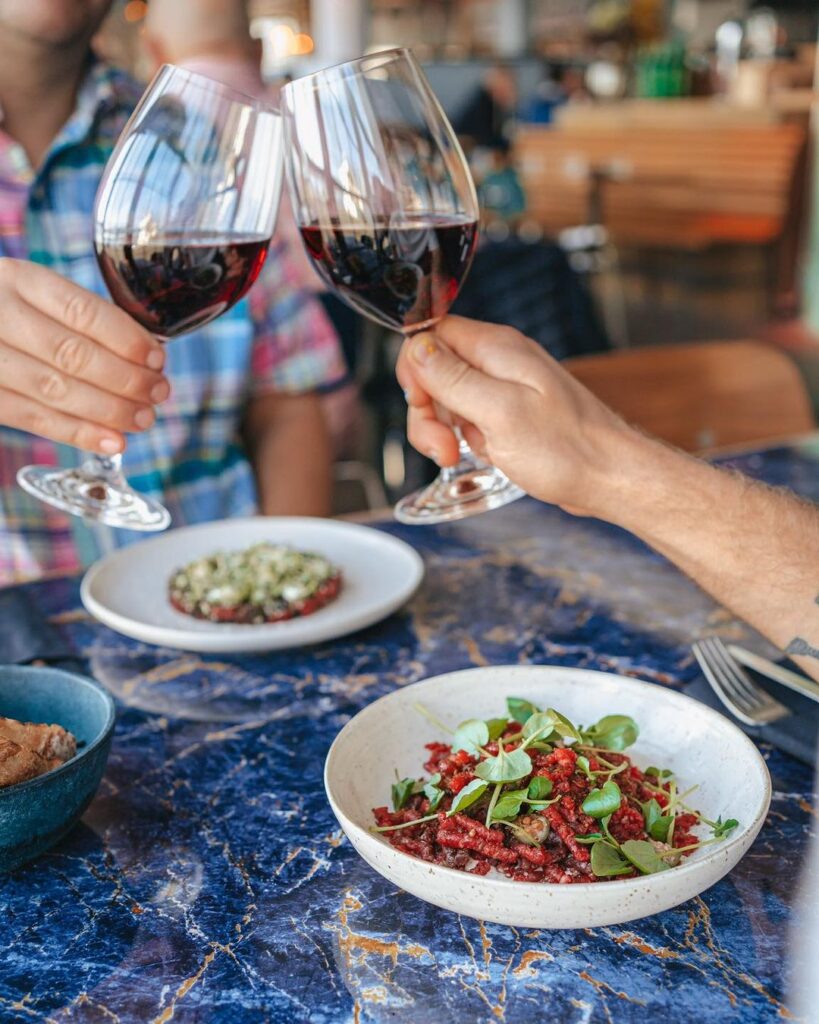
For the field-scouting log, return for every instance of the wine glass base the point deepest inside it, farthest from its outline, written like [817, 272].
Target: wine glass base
[85, 494]
[457, 494]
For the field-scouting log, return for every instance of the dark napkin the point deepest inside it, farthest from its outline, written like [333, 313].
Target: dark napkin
[25, 633]
[796, 734]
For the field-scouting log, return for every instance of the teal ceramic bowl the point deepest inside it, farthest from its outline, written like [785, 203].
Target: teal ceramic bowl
[35, 815]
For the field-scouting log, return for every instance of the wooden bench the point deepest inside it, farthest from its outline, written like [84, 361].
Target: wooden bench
[679, 187]
[702, 396]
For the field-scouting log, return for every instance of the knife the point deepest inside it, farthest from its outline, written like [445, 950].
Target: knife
[792, 680]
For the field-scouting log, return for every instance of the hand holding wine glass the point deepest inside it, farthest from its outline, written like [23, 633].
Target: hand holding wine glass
[183, 219]
[75, 369]
[518, 407]
[389, 216]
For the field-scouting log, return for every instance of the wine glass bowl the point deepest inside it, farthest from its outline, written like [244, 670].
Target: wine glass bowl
[388, 214]
[182, 223]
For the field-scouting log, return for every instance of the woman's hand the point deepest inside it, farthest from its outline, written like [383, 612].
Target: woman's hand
[516, 406]
[73, 367]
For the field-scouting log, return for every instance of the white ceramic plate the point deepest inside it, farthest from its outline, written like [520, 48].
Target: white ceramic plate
[127, 590]
[700, 745]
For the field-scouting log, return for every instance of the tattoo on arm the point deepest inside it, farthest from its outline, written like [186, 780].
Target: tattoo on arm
[801, 647]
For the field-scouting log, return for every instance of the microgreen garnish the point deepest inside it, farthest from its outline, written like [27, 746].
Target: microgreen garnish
[722, 828]
[643, 856]
[539, 788]
[521, 710]
[505, 788]
[470, 736]
[431, 718]
[509, 805]
[496, 727]
[603, 802]
[606, 861]
[614, 732]
[472, 792]
[402, 790]
[505, 766]
[404, 824]
[433, 793]
[657, 824]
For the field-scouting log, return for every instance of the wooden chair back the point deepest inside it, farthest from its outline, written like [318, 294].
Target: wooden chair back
[683, 185]
[702, 396]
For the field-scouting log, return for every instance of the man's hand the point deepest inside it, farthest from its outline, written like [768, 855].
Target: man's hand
[516, 406]
[754, 549]
[73, 368]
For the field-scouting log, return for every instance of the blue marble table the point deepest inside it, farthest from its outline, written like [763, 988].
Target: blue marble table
[209, 882]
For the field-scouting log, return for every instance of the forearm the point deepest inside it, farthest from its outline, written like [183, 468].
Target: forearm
[754, 549]
[290, 452]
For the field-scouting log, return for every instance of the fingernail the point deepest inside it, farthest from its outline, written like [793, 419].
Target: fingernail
[110, 445]
[144, 418]
[156, 358]
[406, 396]
[435, 455]
[160, 392]
[423, 348]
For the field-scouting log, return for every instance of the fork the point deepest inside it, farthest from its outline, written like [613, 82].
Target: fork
[734, 687]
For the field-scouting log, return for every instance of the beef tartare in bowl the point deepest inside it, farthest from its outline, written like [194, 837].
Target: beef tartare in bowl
[547, 797]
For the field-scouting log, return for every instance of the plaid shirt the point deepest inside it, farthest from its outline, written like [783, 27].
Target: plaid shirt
[276, 339]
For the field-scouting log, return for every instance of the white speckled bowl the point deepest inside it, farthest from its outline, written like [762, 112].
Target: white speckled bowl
[700, 745]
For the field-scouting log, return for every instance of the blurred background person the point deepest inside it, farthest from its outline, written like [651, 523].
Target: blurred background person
[242, 430]
[485, 124]
[212, 38]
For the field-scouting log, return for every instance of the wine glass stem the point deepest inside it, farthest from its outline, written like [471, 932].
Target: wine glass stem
[466, 457]
[107, 467]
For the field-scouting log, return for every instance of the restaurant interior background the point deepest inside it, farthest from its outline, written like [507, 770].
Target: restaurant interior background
[645, 174]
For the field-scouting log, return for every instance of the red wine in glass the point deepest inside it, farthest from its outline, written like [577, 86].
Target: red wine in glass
[404, 274]
[182, 219]
[172, 286]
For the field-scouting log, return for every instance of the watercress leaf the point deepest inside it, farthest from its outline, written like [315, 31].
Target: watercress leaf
[563, 727]
[588, 840]
[509, 804]
[583, 765]
[606, 861]
[659, 773]
[613, 732]
[538, 726]
[651, 812]
[472, 792]
[660, 828]
[496, 727]
[547, 748]
[432, 792]
[643, 856]
[539, 788]
[505, 767]
[722, 828]
[470, 735]
[435, 796]
[601, 803]
[401, 792]
[520, 709]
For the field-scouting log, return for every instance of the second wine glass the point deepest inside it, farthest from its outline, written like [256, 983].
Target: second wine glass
[388, 214]
[182, 222]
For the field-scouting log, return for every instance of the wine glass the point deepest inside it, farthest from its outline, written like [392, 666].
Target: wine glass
[182, 222]
[388, 214]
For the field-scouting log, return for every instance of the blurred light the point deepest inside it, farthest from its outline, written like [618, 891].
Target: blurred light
[135, 10]
[281, 40]
[302, 44]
